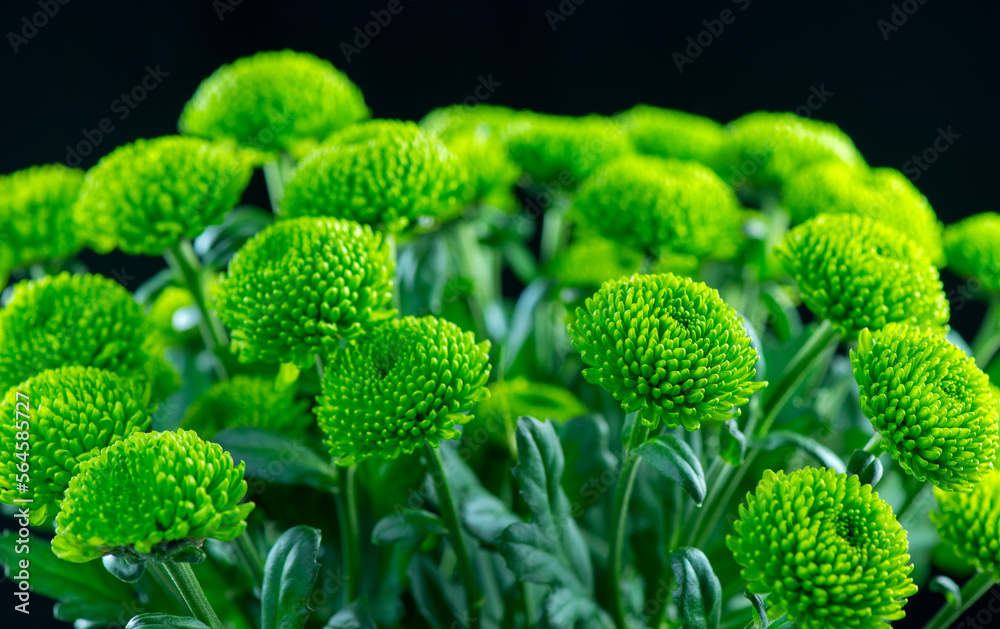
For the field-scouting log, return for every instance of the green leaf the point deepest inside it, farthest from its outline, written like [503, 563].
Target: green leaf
[164, 621]
[522, 321]
[589, 460]
[782, 313]
[153, 286]
[407, 525]
[732, 443]
[565, 609]
[289, 576]
[123, 569]
[439, 601]
[485, 516]
[217, 243]
[354, 616]
[98, 613]
[759, 610]
[699, 594]
[274, 458]
[675, 459]
[943, 585]
[866, 466]
[821, 453]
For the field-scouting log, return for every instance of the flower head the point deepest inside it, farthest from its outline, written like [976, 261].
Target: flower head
[564, 148]
[932, 405]
[826, 547]
[668, 348]
[882, 194]
[382, 172]
[859, 273]
[274, 101]
[36, 215]
[592, 260]
[969, 523]
[647, 202]
[150, 495]
[765, 148]
[247, 401]
[453, 120]
[408, 382]
[301, 283]
[973, 248]
[145, 196]
[672, 133]
[68, 414]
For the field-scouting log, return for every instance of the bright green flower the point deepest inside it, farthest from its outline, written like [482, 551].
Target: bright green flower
[151, 495]
[668, 348]
[274, 101]
[408, 382]
[454, 120]
[247, 401]
[969, 523]
[36, 215]
[563, 148]
[146, 196]
[161, 316]
[647, 202]
[973, 248]
[301, 283]
[672, 133]
[486, 160]
[69, 414]
[932, 405]
[382, 172]
[765, 149]
[858, 274]
[592, 260]
[826, 547]
[882, 194]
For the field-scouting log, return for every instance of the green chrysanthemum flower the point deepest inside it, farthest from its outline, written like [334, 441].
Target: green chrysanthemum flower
[150, 495]
[146, 196]
[69, 415]
[648, 202]
[447, 122]
[932, 405]
[36, 215]
[593, 260]
[676, 134]
[161, 316]
[973, 248]
[247, 401]
[301, 283]
[859, 273]
[826, 547]
[668, 348]
[408, 382]
[85, 320]
[767, 148]
[969, 523]
[485, 158]
[274, 101]
[563, 148]
[882, 194]
[382, 172]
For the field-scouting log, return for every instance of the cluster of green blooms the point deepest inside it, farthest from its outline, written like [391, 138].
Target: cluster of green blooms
[408, 381]
[668, 348]
[973, 248]
[969, 523]
[301, 283]
[826, 547]
[563, 148]
[670, 133]
[248, 401]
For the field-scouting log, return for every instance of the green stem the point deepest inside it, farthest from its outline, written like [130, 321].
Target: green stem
[623, 491]
[190, 589]
[987, 340]
[973, 590]
[913, 507]
[276, 175]
[187, 270]
[553, 233]
[350, 539]
[449, 511]
[872, 447]
[247, 555]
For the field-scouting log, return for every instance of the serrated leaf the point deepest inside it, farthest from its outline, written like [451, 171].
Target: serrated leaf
[866, 466]
[354, 616]
[585, 443]
[164, 621]
[273, 457]
[407, 525]
[485, 516]
[289, 576]
[565, 609]
[732, 443]
[699, 594]
[675, 459]
[821, 453]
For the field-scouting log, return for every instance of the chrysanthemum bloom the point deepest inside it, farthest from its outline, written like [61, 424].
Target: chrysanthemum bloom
[648, 202]
[485, 157]
[670, 133]
[446, 122]
[882, 194]
[300, 283]
[85, 320]
[146, 196]
[68, 414]
[247, 401]
[36, 215]
[274, 101]
[382, 172]
[969, 523]
[668, 348]
[592, 260]
[859, 273]
[932, 405]
[563, 148]
[149, 496]
[765, 149]
[410, 381]
[826, 547]
[973, 248]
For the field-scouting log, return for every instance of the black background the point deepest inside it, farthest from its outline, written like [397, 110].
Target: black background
[890, 89]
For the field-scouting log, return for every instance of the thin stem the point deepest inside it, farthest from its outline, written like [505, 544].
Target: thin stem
[973, 590]
[449, 511]
[987, 340]
[247, 555]
[623, 491]
[275, 185]
[872, 447]
[914, 505]
[187, 270]
[190, 589]
[350, 539]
